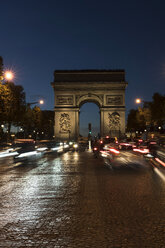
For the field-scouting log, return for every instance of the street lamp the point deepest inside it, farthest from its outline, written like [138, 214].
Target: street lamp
[40, 102]
[138, 100]
[8, 75]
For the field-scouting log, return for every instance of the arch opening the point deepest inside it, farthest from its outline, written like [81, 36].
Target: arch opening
[89, 113]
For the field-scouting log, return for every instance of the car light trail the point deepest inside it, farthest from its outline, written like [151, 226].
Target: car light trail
[144, 151]
[160, 161]
[125, 144]
[55, 148]
[114, 150]
[104, 154]
[41, 149]
[8, 154]
[60, 149]
[66, 146]
[159, 173]
[27, 154]
[149, 155]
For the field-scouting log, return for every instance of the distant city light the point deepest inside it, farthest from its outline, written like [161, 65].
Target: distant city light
[9, 75]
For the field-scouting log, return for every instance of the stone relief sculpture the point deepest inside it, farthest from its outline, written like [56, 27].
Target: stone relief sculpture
[114, 121]
[64, 100]
[114, 100]
[64, 121]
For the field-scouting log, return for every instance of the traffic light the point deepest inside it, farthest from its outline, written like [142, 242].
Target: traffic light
[89, 128]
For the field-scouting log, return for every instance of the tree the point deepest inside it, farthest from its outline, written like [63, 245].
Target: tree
[12, 104]
[31, 120]
[1, 69]
[132, 120]
[158, 109]
[150, 115]
[47, 123]
[37, 123]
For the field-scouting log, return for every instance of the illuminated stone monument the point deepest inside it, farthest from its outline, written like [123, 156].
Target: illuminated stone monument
[73, 88]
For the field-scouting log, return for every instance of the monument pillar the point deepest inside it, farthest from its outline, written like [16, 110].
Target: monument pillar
[66, 124]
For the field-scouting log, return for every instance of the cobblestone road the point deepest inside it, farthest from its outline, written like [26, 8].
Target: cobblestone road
[76, 201]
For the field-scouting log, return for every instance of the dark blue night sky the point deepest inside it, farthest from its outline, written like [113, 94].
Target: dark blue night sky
[38, 37]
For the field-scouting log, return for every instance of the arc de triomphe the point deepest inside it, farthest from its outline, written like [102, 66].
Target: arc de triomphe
[73, 88]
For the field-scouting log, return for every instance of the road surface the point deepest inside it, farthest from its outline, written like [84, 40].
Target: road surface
[74, 200]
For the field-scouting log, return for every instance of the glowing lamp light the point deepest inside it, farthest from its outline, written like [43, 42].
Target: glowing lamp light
[41, 101]
[75, 145]
[9, 75]
[138, 100]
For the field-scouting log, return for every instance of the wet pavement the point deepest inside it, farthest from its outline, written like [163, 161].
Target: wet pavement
[74, 200]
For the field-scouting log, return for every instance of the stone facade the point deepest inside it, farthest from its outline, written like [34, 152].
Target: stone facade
[72, 89]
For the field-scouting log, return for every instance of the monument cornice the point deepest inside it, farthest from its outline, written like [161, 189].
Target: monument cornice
[62, 89]
[87, 82]
[88, 85]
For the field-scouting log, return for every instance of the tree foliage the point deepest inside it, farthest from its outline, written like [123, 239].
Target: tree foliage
[38, 123]
[47, 123]
[31, 120]
[15, 111]
[151, 115]
[158, 109]
[12, 104]
[1, 69]
[132, 121]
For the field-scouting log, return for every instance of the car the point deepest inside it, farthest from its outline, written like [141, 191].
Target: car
[73, 146]
[109, 153]
[96, 147]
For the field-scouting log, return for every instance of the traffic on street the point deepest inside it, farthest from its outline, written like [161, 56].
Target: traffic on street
[65, 195]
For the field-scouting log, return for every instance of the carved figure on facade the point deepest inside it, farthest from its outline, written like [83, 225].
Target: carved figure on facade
[64, 122]
[114, 121]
